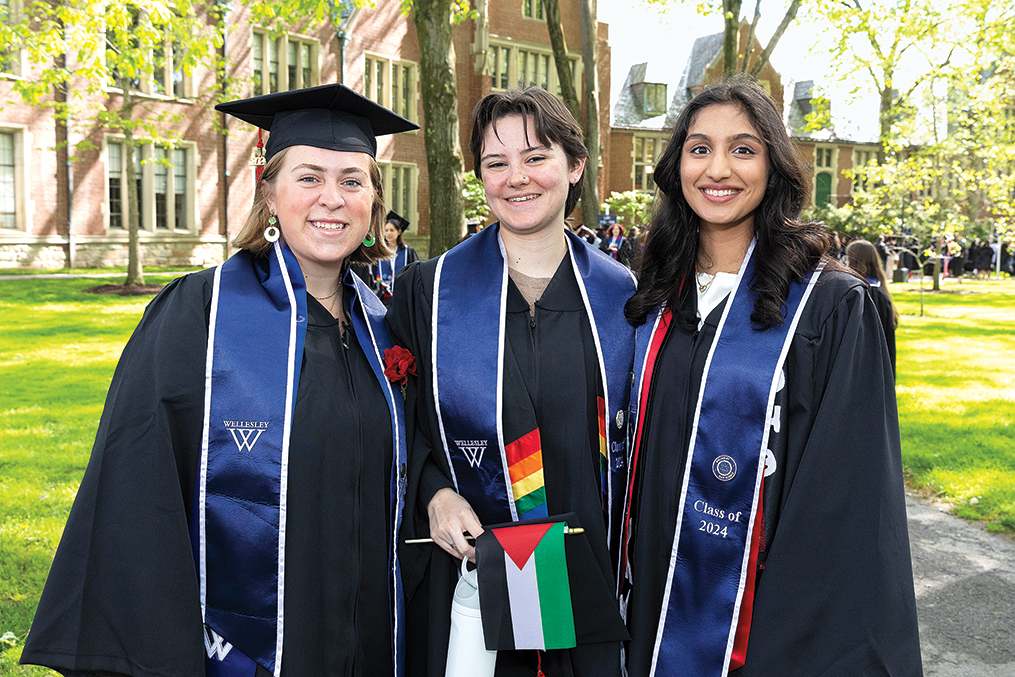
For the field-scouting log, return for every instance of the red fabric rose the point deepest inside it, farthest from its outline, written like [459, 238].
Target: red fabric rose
[399, 364]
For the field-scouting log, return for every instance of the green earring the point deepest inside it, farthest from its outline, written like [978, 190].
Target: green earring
[369, 240]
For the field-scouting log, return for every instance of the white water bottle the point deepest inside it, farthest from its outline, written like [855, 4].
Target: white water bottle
[467, 654]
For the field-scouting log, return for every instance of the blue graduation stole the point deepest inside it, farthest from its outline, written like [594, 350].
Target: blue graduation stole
[468, 330]
[722, 480]
[387, 269]
[256, 334]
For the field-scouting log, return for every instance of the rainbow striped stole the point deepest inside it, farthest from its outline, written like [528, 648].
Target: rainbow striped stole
[525, 468]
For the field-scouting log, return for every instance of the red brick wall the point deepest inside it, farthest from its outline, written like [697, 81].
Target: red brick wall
[224, 177]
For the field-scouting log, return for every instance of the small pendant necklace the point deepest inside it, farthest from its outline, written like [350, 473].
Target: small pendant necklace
[703, 286]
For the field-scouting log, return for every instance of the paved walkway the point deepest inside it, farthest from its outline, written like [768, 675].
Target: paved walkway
[965, 595]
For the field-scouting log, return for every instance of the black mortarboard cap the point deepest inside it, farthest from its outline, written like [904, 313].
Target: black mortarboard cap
[397, 220]
[330, 116]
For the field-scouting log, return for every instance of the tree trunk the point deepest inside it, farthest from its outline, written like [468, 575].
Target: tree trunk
[731, 36]
[937, 267]
[590, 55]
[885, 120]
[440, 129]
[135, 275]
[559, 45]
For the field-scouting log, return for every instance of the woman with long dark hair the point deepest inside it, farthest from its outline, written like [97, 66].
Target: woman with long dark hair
[766, 525]
[863, 257]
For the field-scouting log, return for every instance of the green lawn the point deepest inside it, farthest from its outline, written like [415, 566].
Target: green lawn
[956, 391]
[58, 348]
[59, 345]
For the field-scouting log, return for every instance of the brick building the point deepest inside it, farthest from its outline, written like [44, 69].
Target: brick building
[61, 207]
[645, 113]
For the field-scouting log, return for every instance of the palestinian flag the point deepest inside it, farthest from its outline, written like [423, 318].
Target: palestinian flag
[524, 592]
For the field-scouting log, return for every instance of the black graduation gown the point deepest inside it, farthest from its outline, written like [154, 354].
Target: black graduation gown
[385, 293]
[883, 303]
[122, 596]
[834, 588]
[555, 353]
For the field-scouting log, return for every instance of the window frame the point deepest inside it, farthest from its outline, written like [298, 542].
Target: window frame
[534, 10]
[393, 202]
[495, 58]
[638, 160]
[147, 179]
[392, 85]
[282, 44]
[150, 86]
[21, 142]
[862, 155]
[655, 91]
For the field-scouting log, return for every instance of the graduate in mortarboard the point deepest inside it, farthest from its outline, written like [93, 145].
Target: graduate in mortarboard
[524, 376]
[402, 255]
[241, 506]
[765, 532]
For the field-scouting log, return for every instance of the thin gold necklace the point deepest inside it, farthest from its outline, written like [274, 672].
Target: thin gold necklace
[325, 298]
[702, 288]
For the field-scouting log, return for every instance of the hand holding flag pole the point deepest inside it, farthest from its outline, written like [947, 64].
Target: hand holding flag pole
[575, 530]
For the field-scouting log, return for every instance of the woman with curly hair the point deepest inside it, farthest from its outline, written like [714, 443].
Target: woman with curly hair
[765, 531]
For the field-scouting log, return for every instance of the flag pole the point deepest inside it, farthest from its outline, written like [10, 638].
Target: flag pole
[412, 541]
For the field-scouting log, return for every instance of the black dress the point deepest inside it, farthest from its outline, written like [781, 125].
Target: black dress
[122, 596]
[834, 587]
[555, 354]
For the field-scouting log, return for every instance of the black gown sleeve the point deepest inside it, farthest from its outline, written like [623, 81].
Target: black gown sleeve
[123, 584]
[835, 596]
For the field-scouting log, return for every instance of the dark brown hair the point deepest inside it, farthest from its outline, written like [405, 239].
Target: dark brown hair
[786, 250]
[551, 121]
[863, 257]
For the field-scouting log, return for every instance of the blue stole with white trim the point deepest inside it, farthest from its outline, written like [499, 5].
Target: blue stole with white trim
[468, 344]
[256, 334]
[387, 269]
[722, 479]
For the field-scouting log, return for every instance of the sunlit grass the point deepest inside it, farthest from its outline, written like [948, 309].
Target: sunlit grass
[58, 349]
[956, 393]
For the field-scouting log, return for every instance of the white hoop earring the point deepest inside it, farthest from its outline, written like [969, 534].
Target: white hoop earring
[272, 233]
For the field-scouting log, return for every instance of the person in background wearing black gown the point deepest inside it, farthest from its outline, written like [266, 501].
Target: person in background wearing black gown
[767, 525]
[533, 354]
[241, 505]
[863, 257]
[385, 269]
[618, 245]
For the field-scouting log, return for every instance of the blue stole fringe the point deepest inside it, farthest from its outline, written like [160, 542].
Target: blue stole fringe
[256, 334]
[722, 479]
[469, 308]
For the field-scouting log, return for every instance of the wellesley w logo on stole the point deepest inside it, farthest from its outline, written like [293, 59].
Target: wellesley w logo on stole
[540, 587]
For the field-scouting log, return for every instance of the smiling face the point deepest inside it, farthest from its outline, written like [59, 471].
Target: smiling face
[390, 233]
[526, 183]
[323, 200]
[723, 168]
